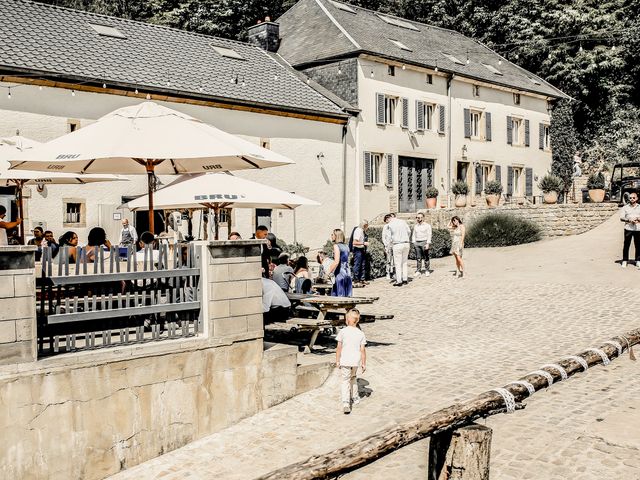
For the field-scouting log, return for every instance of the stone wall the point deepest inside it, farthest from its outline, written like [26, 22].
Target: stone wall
[555, 220]
[343, 84]
[90, 414]
[17, 305]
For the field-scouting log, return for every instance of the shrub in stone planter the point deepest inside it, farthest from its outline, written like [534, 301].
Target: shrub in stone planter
[596, 182]
[493, 190]
[550, 185]
[460, 187]
[431, 195]
[501, 230]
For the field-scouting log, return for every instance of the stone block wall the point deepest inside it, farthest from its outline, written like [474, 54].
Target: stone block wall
[234, 283]
[17, 304]
[343, 84]
[554, 220]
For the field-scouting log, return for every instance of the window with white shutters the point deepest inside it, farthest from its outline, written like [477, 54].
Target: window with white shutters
[517, 131]
[425, 116]
[372, 162]
[386, 109]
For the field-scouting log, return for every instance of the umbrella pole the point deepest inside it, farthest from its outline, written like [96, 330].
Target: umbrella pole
[19, 185]
[150, 186]
[216, 226]
[206, 225]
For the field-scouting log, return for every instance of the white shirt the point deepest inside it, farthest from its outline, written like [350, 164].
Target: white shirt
[386, 235]
[273, 296]
[352, 339]
[421, 233]
[358, 236]
[132, 232]
[399, 230]
[3, 236]
[628, 213]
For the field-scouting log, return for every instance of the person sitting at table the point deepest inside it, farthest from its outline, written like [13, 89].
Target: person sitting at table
[301, 273]
[147, 240]
[323, 272]
[283, 273]
[343, 285]
[96, 239]
[70, 240]
[275, 304]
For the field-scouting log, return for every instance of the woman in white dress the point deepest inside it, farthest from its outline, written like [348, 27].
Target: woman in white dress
[457, 231]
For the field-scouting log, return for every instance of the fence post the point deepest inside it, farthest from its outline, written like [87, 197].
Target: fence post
[461, 454]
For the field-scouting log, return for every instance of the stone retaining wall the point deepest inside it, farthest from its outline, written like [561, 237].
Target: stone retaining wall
[555, 220]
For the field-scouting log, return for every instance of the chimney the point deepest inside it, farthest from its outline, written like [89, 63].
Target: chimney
[265, 35]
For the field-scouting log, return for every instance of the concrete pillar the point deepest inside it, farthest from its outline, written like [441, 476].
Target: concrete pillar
[234, 289]
[18, 342]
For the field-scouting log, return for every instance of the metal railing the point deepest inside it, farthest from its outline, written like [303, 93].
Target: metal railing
[89, 297]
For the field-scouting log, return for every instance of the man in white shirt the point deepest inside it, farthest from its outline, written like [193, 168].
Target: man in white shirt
[128, 234]
[386, 241]
[421, 239]
[359, 245]
[275, 304]
[630, 215]
[400, 237]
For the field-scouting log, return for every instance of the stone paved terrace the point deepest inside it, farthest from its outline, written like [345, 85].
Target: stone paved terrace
[518, 308]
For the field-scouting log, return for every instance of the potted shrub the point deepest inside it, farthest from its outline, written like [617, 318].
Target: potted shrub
[460, 190]
[431, 195]
[493, 190]
[550, 185]
[595, 184]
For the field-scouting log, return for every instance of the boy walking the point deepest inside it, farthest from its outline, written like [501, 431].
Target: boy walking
[350, 354]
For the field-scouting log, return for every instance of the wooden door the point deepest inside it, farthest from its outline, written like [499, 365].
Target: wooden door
[415, 175]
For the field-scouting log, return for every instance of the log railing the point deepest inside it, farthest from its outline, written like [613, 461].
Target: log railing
[384, 442]
[121, 297]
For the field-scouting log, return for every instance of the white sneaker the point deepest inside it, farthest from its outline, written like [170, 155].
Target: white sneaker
[388, 277]
[638, 265]
[427, 273]
[416, 275]
[355, 400]
[623, 264]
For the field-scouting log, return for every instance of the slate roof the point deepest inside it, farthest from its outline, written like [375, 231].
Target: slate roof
[59, 42]
[314, 31]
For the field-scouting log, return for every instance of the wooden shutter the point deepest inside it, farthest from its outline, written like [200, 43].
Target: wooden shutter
[478, 179]
[379, 108]
[487, 123]
[405, 113]
[528, 172]
[419, 115]
[509, 130]
[389, 170]
[368, 174]
[467, 123]
[441, 123]
[541, 136]
[498, 169]
[526, 133]
[510, 180]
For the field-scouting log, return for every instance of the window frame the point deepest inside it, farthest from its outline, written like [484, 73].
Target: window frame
[390, 107]
[82, 213]
[476, 90]
[429, 79]
[516, 99]
[547, 138]
[391, 70]
[517, 131]
[375, 160]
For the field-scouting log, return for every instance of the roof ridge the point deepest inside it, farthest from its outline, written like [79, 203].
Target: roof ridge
[129, 20]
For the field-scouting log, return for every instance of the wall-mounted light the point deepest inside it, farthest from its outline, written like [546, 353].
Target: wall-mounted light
[464, 151]
[320, 157]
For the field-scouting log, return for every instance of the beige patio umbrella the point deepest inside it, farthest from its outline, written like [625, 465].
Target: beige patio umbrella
[12, 146]
[219, 190]
[148, 138]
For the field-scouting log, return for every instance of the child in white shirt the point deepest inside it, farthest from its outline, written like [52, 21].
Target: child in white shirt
[350, 354]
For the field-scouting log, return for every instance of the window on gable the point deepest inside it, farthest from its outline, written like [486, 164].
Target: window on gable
[391, 70]
[227, 52]
[107, 31]
[390, 104]
[429, 78]
[516, 98]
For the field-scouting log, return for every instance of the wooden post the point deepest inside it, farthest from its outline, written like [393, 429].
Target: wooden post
[461, 454]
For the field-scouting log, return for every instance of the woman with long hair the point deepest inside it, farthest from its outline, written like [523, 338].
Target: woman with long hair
[301, 273]
[96, 239]
[69, 239]
[457, 243]
[343, 286]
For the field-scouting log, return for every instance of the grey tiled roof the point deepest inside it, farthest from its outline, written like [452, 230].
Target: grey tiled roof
[309, 35]
[57, 41]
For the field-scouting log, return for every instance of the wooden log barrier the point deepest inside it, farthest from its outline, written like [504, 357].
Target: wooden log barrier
[461, 454]
[379, 444]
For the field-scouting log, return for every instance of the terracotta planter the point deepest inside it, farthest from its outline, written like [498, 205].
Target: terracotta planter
[493, 200]
[461, 201]
[596, 195]
[431, 202]
[551, 197]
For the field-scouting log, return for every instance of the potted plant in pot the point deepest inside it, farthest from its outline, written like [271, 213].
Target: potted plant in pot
[493, 190]
[460, 190]
[431, 195]
[550, 185]
[595, 184]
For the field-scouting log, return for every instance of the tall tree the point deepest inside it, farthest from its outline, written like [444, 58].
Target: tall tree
[563, 143]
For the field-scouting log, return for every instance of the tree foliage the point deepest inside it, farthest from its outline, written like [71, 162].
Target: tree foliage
[587, 49]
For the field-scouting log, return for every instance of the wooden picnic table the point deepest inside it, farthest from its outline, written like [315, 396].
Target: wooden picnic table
[324, 304]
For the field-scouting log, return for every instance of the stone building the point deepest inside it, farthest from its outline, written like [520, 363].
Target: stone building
[434, 105]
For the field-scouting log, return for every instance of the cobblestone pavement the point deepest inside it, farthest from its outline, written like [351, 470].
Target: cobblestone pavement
[517, 308]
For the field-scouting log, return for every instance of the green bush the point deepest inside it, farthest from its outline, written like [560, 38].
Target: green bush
[493, 187]
[596, 182]
[460, 187]
[294, 250]
[431, 192]
[376, 259]
[500, 230]
[550, 183]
